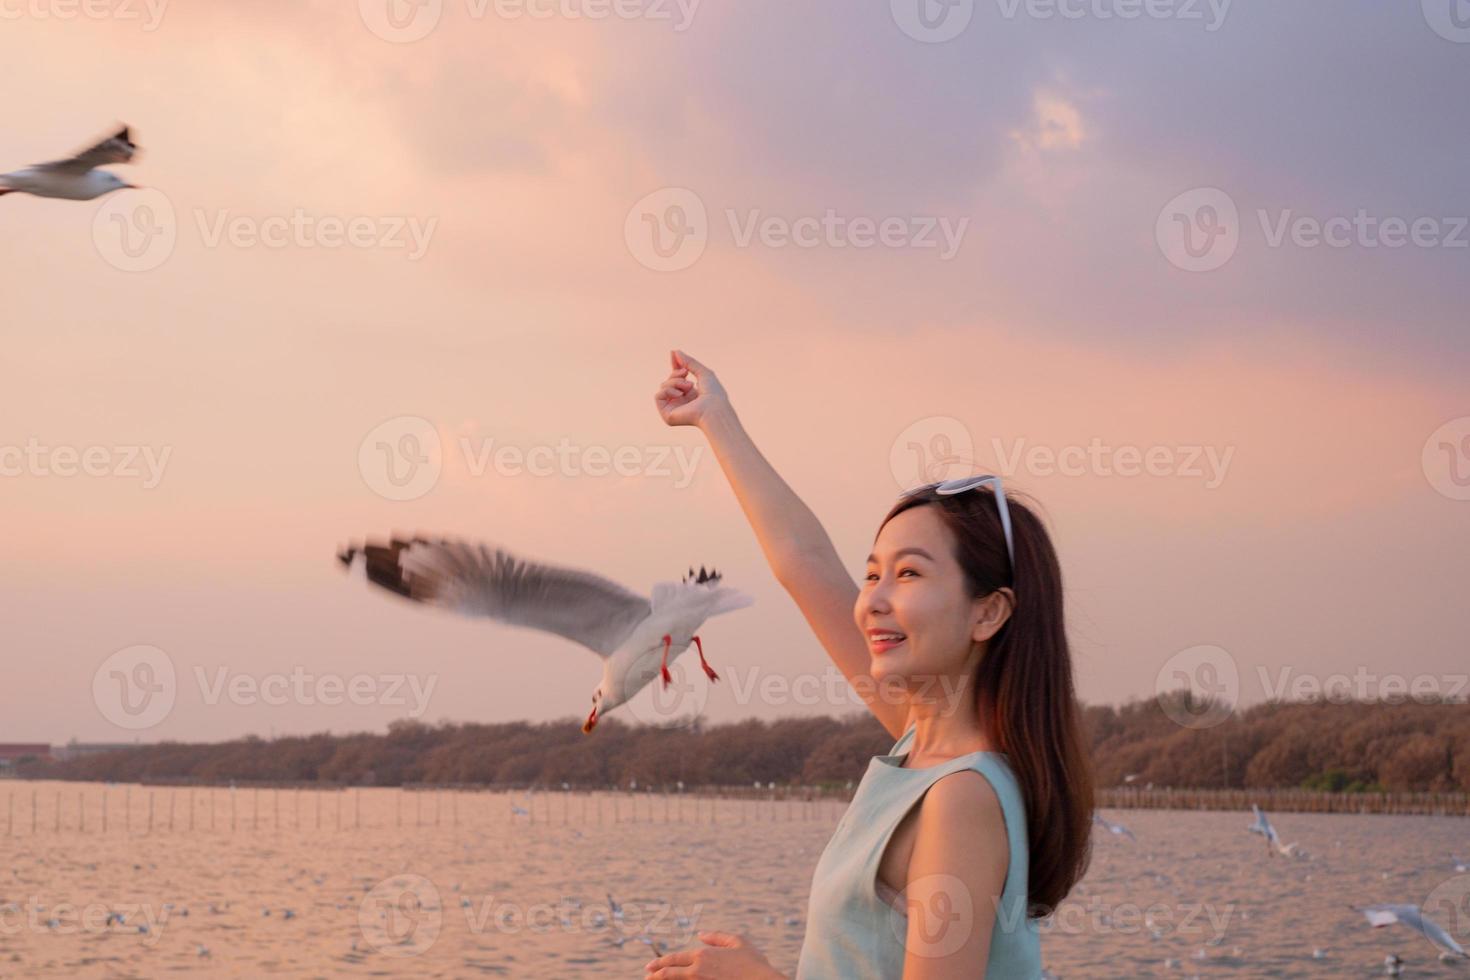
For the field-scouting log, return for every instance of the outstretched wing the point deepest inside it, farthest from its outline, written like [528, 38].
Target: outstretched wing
[117, 148]
[1383, 915]
[478, 580]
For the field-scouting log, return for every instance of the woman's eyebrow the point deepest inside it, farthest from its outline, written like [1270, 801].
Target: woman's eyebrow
[906, 551]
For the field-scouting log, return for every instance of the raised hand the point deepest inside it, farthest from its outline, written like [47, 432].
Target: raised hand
[685, 401]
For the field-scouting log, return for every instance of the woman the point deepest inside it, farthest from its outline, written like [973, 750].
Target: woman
[978, 821]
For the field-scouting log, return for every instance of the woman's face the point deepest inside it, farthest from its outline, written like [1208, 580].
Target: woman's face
[914, 587]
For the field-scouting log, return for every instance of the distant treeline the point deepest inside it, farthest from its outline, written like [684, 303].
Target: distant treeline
[1343, 747]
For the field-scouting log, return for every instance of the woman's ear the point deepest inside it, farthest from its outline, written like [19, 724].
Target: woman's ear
[993, 611]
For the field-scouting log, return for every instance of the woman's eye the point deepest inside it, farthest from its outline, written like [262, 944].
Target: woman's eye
[873, 575]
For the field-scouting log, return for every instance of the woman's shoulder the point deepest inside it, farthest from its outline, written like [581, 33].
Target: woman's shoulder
[965, 796]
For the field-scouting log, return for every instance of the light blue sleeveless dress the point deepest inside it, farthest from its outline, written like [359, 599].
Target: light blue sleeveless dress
[853, 932]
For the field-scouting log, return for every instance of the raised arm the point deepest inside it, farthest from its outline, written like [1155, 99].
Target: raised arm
[796, 546]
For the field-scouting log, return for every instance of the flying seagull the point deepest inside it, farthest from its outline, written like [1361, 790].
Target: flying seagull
[76, 178]
[1410, 915]
[635, 636]
[1116, 829]
[1263, 827]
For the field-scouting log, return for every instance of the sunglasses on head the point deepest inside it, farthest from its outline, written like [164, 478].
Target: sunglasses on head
[948, 488]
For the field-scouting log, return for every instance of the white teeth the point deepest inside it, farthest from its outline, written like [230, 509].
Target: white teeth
[887, 636]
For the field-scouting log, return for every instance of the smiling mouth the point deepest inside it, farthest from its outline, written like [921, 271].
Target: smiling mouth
[883, 644]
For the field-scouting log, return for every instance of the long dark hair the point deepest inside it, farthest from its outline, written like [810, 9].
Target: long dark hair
[1024, 686]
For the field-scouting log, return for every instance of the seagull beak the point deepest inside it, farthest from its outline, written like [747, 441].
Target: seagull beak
[591, 721]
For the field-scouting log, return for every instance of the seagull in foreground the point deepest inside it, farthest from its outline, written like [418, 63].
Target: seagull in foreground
[1409, 915]
[635, 636]
[76, 178]
[1263, 827]
[1113, 828]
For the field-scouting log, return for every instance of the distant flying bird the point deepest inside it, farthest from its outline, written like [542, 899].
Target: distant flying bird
[76, 178]
[635, 636]
[1116, 829]
[1263, 827]
[1410, 915]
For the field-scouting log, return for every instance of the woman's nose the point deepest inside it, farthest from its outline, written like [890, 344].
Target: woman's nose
[876, 598]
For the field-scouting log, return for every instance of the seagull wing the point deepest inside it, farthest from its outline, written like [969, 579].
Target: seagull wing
[477, 580]
[117, 148]
[1412, 915]
[1436, 934]
[1382, 915]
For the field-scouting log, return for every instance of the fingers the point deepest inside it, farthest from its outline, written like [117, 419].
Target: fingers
[720, 939]
[674, 389]
[685, 361]
[670, 961]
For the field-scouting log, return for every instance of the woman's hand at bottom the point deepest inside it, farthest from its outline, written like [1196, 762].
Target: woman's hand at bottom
[725, 957]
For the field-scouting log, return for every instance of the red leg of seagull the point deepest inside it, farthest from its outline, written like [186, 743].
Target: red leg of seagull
[664, 664]
[709, 671]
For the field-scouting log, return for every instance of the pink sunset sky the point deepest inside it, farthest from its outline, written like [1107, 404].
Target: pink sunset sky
[1326, 383]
